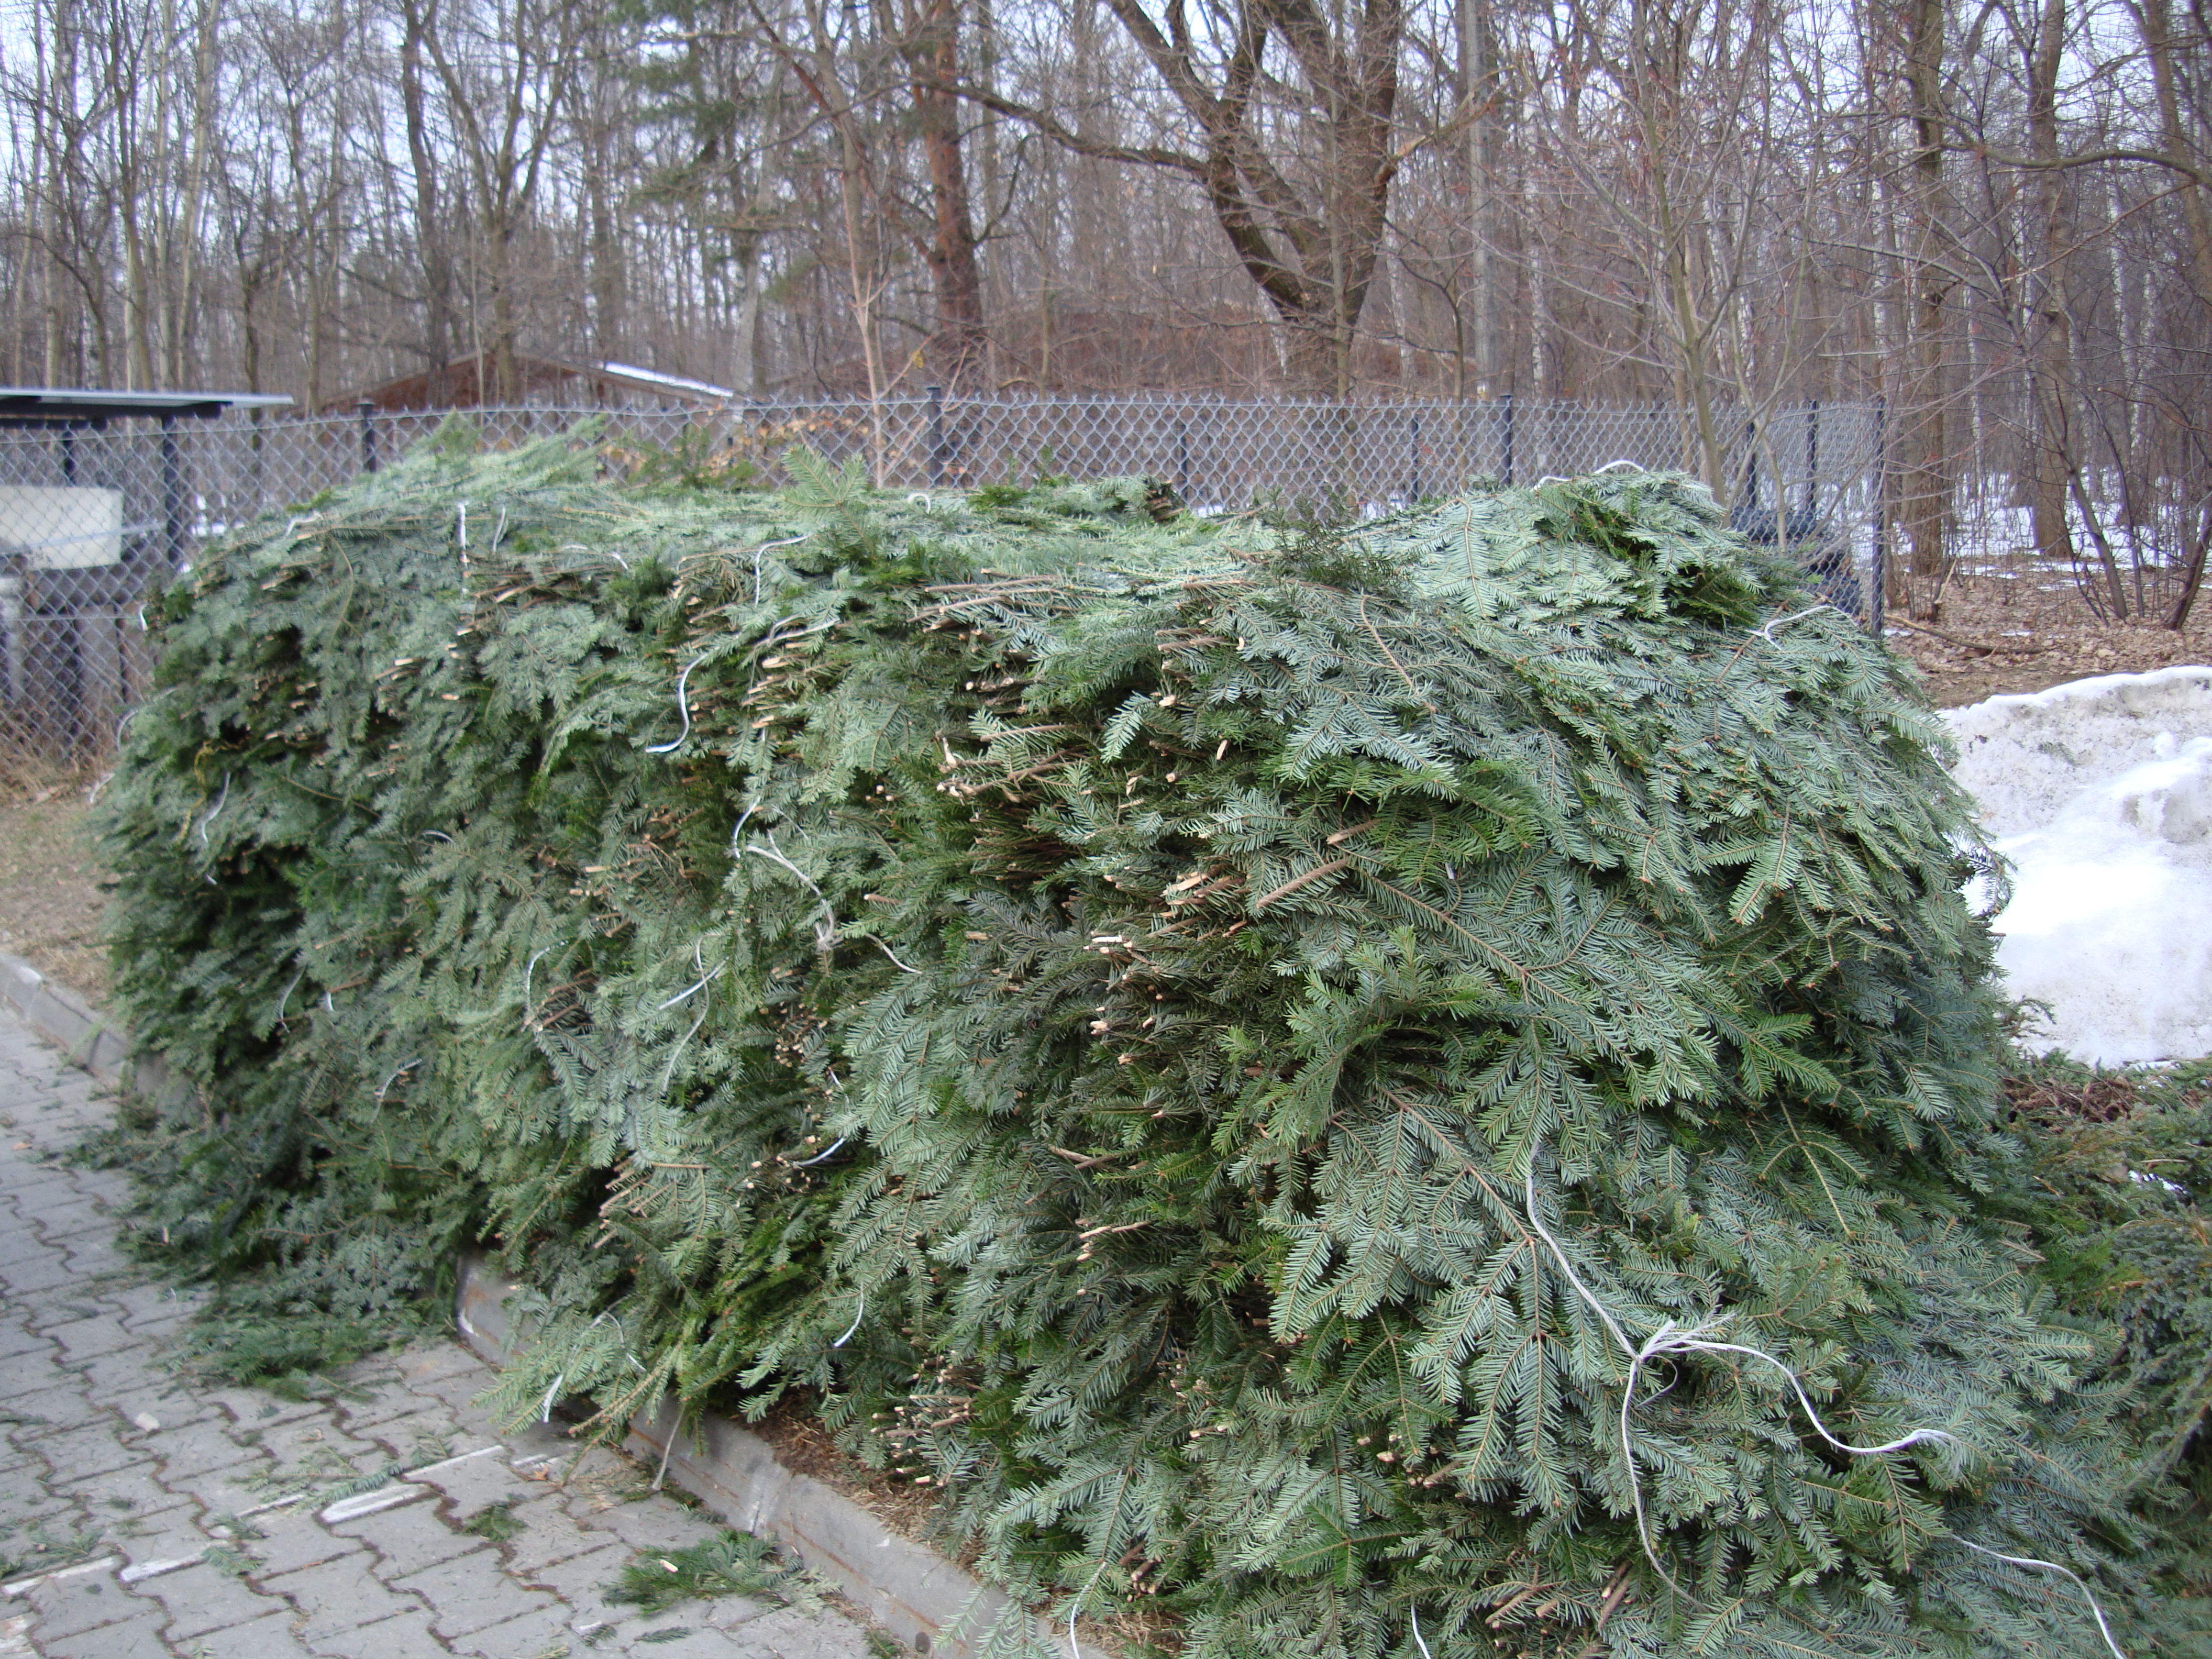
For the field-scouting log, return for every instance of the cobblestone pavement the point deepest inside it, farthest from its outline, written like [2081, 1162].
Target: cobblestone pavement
[142, 1516]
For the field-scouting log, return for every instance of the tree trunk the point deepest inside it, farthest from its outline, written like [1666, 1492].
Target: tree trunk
[860, 272]
[1310, 246]
[988, 261]
[179, 337]
[607, 274]
[432, 250]
[2042, 299]
[1478, 45]
[1926, 475]
[2154, 24]
[957, 345]
[505, 372]
[2192, 572]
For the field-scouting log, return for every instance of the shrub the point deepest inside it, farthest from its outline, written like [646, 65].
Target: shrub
[1364, 1083]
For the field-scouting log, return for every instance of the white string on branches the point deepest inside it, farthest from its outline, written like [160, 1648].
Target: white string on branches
[825, 925]
[1670, 1339]
[892, 954]
[1667, 1342]
[397, 1072]
[674, 1429]
[775, 637]
[694, 988]
[1074, 1649]
[668, 1071]
[291, 985]
[683, 708]
[1767, 632]
[697, 961]
[2103, 1629]
[215, 810]
[764, 548]
[531, 969]
[553, 1390]
[820, 1157]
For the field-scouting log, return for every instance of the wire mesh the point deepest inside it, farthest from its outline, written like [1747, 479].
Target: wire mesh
[95, 516]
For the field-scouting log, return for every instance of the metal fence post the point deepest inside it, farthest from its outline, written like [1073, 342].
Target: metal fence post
[1881, 512]
[368, 409]
[1812, 460]
[936, 436]
[1413, 487]
[172, 495]
[1508, 447]
[1182, 462]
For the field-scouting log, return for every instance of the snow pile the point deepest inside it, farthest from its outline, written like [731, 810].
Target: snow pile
[2101, 794]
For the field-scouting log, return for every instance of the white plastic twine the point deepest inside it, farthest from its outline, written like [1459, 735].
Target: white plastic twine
[793, 542]
[683, 708]
[215, 810]
[396, 1073]
[1767, 632]
[2103, 1629]
[1666, 1342]
[693, 989]
[528, 973]
[1670, 1339]
[825, 925]
[707, 978]
[775, 637]
[1074, 1648]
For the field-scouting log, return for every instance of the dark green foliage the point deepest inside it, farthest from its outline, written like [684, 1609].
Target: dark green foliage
[494, 1521]
[1086, 995]
[2119, 1163]
[696, 458]
[728, 1564]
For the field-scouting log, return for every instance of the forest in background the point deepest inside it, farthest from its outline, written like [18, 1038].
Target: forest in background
[1992, 215]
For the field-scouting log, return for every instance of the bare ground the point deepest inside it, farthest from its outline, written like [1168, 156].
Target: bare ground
[51, 905]
[2019, 623]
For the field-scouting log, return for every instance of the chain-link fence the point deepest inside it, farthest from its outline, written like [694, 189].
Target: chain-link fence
[92, 514]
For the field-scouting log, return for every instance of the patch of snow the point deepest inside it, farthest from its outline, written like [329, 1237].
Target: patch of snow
[2099, 793]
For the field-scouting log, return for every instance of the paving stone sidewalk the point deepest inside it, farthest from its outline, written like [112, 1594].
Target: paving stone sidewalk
[142, 1516]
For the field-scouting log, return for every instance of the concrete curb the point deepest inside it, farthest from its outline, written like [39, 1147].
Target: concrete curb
[915, 1593]
[89, 1037]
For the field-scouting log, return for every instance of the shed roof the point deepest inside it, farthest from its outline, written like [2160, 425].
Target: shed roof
[465, 382]
[28, 405]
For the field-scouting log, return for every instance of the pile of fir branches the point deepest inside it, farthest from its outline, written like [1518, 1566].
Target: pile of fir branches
[1362, 1086]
